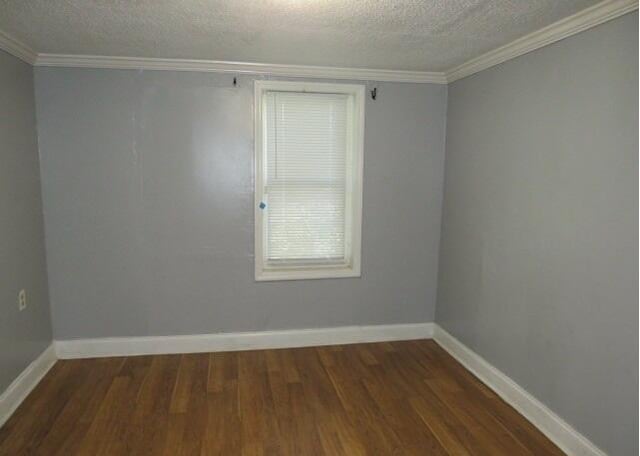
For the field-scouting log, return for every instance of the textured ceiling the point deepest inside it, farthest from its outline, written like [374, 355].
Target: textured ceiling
[426, 35]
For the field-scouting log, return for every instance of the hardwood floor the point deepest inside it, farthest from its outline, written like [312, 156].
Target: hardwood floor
[400, 398]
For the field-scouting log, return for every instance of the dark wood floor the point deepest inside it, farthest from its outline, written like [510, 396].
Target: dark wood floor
[399, 398]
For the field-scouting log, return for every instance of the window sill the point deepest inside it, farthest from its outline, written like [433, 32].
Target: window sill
[268, 275]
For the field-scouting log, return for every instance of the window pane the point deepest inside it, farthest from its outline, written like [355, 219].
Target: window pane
[306, 169]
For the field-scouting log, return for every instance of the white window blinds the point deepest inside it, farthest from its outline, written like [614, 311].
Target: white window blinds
[306, 168]
[308, 182]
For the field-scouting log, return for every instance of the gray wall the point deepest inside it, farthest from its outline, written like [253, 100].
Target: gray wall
[538, 262]
[23, 335]
[148, 198]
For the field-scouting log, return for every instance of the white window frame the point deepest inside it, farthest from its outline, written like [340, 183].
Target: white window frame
[351, 268]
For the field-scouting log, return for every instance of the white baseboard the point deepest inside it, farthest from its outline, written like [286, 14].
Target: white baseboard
[129, 346]
[555, 428]
[25, 382]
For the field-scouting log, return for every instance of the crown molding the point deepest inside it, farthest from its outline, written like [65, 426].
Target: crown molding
[583, 20]
[17, 48]
[579, 22]
[296, 71]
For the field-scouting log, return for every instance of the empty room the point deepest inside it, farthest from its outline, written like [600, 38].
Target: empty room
[319, 227]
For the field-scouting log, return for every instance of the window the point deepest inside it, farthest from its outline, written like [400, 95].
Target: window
[308, 140]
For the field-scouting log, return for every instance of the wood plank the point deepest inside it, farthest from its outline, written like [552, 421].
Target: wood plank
[182, 387]
[408, 398]
[197, 409]
[81, 409]
[363, 413]
[148, 425]
[519, 426]
[223, 418]
[45, 404]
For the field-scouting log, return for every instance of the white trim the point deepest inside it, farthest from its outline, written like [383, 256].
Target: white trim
[202, 343]
[20, 388]
[295, 71]
[265, 272]
[579, 22]
[266, 275]
[582, 20]
[555, 428]
[17, 48]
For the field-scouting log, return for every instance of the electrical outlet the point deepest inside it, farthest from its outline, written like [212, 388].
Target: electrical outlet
[22, 300]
